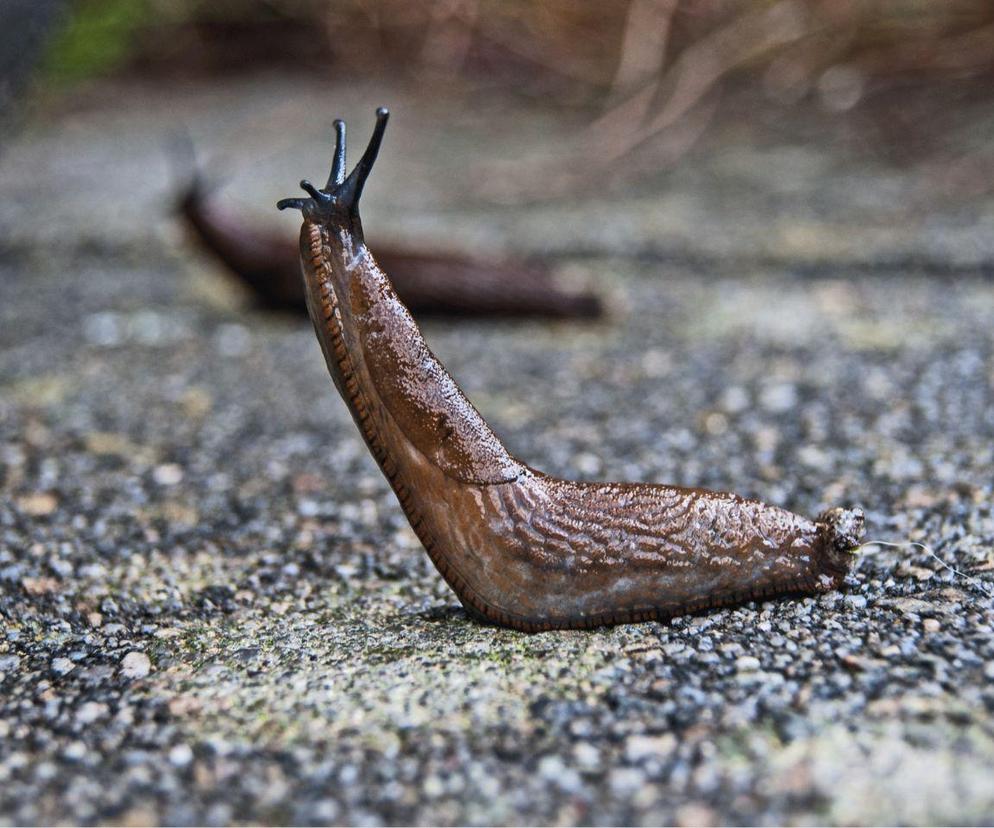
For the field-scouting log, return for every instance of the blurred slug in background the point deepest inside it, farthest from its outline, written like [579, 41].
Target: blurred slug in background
[434, 283]
[519, 548]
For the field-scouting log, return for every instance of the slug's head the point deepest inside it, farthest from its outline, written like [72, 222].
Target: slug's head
[840, 531]
[337, 203]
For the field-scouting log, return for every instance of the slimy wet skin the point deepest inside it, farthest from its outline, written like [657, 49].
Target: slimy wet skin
[519, 548]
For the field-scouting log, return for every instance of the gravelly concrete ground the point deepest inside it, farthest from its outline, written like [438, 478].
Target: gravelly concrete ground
[214, 611]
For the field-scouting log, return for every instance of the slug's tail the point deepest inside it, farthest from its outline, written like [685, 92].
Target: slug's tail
[842, 530]
[338, 202]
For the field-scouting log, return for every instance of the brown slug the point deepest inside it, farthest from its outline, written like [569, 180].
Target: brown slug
[519, 548]
[429, 283]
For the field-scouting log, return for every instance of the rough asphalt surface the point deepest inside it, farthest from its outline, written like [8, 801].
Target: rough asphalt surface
[213, 610]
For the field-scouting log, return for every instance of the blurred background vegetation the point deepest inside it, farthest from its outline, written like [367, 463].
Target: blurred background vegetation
[584, 51]
[647, 75]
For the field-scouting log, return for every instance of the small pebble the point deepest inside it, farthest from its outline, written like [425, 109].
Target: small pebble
[9, 663]
[855, 602]
[91, 711]
[638, 748]
[181, 755]
[168, 474]
[778, 398]
[38, 505]
[587, 757]
[135, 665]
[625, 781]
[74, 751]
[735, 399]
[747, 664]
[62, 666]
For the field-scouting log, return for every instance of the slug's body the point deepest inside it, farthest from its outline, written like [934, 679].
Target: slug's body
[430, 283]
[520, 548]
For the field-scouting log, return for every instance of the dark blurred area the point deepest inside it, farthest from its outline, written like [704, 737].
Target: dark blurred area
[26, 29]
[648, 76]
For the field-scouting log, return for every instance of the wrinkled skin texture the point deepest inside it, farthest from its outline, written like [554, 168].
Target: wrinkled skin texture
[519, 548]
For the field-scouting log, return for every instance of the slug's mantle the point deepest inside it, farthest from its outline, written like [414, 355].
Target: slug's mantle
[518, 547]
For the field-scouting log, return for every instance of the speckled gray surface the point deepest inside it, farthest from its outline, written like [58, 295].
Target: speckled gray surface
[213, 610]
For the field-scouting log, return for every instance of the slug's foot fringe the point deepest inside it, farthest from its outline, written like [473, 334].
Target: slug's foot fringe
[338, 202]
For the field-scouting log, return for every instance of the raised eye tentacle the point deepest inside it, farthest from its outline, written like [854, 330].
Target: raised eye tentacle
[351, 190]
[338, 164]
